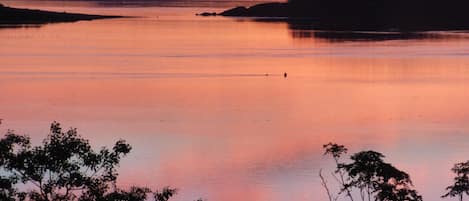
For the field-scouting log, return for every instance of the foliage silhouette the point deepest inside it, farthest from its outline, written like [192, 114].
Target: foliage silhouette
[165, 194]
[371, 176]
[65, 168]
[461, 181]
[336, 151]
[10, 16]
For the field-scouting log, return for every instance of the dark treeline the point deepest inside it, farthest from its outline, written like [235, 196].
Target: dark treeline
[408, 15]
[385, 14]
[9, 15]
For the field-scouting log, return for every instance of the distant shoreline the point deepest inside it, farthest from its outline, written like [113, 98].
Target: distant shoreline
[17, 16]
[365, 15]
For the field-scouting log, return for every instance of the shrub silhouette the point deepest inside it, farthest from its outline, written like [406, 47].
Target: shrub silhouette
[461, 181]
[370, 176]
[65, 168]
[336, 151]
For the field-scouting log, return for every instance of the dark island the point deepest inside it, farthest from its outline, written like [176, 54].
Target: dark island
[12, 16]
[364, 15]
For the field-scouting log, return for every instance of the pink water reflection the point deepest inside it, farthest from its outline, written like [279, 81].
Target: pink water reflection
[191, 95]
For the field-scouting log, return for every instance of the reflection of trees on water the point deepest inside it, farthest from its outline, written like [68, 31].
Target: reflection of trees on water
[305, 30]
[338, 36]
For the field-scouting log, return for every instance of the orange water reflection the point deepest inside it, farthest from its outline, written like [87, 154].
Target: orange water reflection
[192, 96]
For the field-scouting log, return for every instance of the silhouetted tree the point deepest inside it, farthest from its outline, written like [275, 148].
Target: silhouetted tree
[336, 151]
[65, 168]
[375, 178]
[371, 176]
[461, 181]
[165, 194]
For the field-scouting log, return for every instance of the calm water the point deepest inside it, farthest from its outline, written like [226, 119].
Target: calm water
[190, 94]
